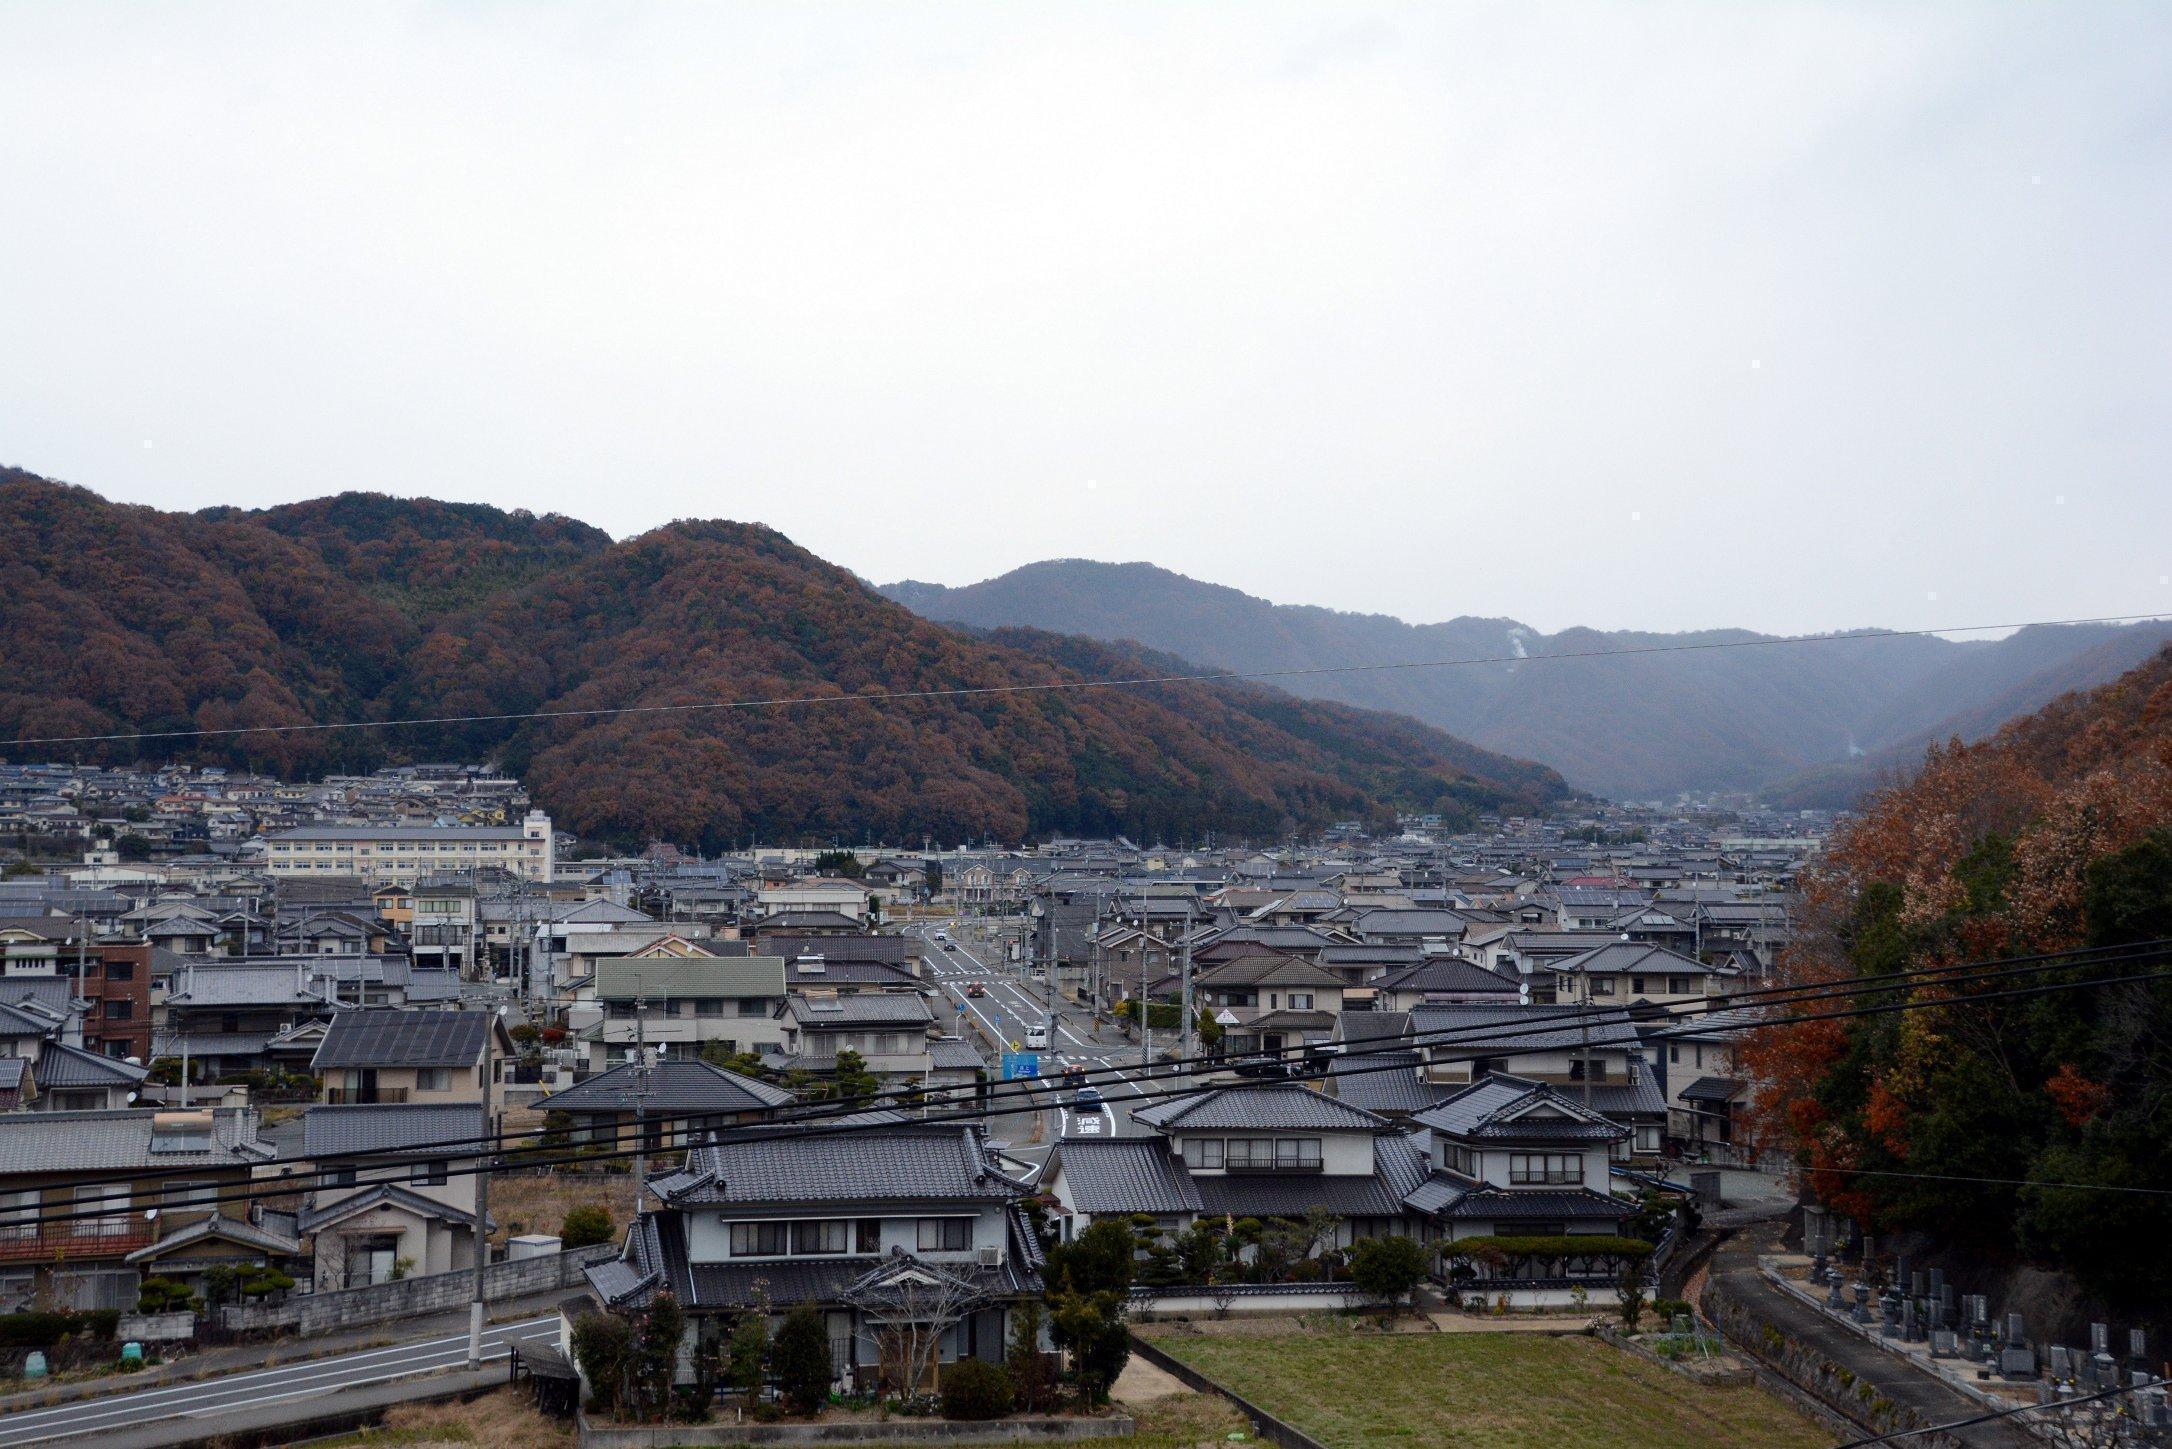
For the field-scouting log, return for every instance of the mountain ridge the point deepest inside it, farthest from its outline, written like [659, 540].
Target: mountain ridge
[121, 618]
[1783, 717]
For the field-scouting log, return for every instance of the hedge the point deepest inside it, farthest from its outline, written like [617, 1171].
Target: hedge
[43, 1330]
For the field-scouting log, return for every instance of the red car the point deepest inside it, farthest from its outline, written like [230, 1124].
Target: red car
[976, 989]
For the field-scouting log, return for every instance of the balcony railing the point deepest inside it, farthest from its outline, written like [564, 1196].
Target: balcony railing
[116, 1239]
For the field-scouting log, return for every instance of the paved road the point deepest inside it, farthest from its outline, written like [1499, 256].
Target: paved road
[205, 1409]
[1012, 1004]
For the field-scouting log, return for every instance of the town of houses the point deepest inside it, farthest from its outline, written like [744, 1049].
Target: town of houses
[212, 982]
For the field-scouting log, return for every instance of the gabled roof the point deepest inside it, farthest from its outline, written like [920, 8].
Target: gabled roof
[915, 1162]
[860, 1008]
[390, 1193]
[674, 1086]
[60, 1065]
[1488, 1029]
[1123, 1175]
[381, 1037]
[1276, 1106]
[42, 1142]
[223, 1228]
[409, 1128]
[1503, 1108]
[1267, 969]
[1445, 975]
[1632, 956]
[626, 978]
[1385, 1082]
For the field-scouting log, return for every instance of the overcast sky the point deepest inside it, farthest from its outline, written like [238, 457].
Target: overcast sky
[1788, 316]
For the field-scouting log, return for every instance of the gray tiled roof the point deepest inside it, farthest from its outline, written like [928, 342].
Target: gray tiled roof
[1712, 1089]
[955, 1054]
[1487, 1111]
[332, 1210]
[379, 1037]
[1276, 1106]
[864, 1008]
[673, 1086]
[901, 1163]
[1632, 956]
[1384, 1082]
[1372, 1025]
[102, 1141]
[408, 1128]
[1507, 1205]
[1446, 974]
[1126, 1175]
[66, 1066]
[1491, 1030]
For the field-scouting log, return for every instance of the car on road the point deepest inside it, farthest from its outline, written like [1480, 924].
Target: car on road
[976, 989]
[1036, 1038]
[1074, 1075]
[942, 938]
[1087, 1098]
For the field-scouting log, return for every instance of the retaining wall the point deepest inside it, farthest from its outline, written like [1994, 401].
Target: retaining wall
[1266, 1425]
[1027, 1430]
[311, 1313]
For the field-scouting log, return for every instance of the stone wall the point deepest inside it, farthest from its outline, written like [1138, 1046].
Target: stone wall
[1035, 1430]
[1798, 1366]
[312, 1313]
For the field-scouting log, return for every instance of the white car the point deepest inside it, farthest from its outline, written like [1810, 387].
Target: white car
[1036, 1038]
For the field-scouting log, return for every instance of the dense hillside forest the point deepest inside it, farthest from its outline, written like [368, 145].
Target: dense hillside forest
[1811, 726]
[364, 607]
[2054, 834]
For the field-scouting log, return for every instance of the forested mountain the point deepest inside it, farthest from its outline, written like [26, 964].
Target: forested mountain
[117, 619]
[1816, 722]
[2053, 834]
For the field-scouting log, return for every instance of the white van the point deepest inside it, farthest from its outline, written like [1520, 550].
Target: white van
[1036, 1038]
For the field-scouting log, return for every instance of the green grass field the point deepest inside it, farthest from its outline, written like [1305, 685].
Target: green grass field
[1502, 1391]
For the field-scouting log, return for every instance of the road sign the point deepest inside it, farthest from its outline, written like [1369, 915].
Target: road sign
[1017, 1065]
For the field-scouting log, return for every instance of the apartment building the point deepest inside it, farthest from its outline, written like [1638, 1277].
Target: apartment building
[394, 854]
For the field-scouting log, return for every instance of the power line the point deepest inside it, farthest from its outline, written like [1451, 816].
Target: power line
[1476, 1036]
[791, 1129]
[1993, 1181]
[1061, 686]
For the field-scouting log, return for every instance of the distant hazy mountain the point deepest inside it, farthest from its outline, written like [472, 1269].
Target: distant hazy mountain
[1812, 721]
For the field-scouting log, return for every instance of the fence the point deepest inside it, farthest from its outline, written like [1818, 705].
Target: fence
[313, 1313]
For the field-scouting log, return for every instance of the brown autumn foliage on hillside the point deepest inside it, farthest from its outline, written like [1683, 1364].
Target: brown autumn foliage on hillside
[119, 619]
[2053, 835]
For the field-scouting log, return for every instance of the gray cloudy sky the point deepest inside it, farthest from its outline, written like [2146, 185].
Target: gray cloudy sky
[1793, 316]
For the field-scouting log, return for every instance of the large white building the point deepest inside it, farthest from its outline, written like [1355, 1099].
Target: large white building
[387, 854]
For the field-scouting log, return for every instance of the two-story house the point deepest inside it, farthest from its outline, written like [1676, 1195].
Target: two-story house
[676, 1002]
[79, 1230]
[869, 1223]
[1276, 1151]
[381, 1056]
[675, 1103]
[1624, 973]
[1514, 1157]
[890, 1030]
[1594, 1054]
[378, 1212]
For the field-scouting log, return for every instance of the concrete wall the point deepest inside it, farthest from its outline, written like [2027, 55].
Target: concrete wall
[432, 1293]
[596, 1435]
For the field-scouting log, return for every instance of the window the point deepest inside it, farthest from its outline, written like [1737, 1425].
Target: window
[820, 1237]
[120, 971]
[430, 1174]
[1588, 1069]
[1203, 1152]
[1459, 1159]
[340, 1177]
[188, 1197]
[1300, 1001]
[1674, 1052]
[708, 1007]
[19, 1216]
[1602, 986]
[1297, 1152]
[1636, 986]
[1531, 1168]
[1678, 985]
[433, 1079]
[121, 1010]
[753, 1006]
[945, 1235]
[869, 1236]
[760, 1239]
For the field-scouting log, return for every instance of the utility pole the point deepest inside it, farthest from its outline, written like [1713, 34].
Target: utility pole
[1146, 998]
[1188, 1047]
[641, 1095]
[476, 1310]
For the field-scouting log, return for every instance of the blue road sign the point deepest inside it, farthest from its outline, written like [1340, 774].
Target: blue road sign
[1021, 1064]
